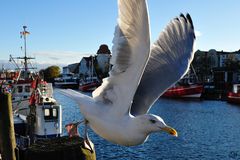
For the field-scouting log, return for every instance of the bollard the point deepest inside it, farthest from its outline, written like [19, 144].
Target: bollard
[7, 135]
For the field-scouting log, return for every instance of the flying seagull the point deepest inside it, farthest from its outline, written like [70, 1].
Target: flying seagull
[118, 109]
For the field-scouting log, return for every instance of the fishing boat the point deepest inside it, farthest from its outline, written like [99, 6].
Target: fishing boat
[90, 81]
[18, 82]
[39, 120]
[21, 92]
[234, 95]
[187, 87]
[42, 118]
[20, 89]
[89, 84]
[36, 113]
[66, 81]
[184, 91]
[8, 76]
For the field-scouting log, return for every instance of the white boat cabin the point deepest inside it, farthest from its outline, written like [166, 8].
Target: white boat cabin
[46, 111]
[236, 88]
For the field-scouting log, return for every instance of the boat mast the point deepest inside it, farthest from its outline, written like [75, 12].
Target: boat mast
[25, 49]
[11, 59]
[25, 68]
[194, 72]
[92, 70]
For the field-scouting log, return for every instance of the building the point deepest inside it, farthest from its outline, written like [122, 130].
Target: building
[220, 68]
[86, 68]
[102, 62]
[71, 68]
[92, 66]
[207, 63]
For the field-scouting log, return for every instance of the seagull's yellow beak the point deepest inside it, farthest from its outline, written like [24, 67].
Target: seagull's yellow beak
[170, 130]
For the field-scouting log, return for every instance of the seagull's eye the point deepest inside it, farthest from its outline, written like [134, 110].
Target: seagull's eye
[152, 120]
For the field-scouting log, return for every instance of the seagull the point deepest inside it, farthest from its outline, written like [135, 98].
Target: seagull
[118, 109]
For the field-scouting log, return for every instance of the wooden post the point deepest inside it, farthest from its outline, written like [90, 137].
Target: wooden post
[7, 135]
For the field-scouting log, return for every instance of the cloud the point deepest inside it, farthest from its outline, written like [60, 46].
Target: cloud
[62, 54]
[58, 57]
[39, 65]
[44, 59]
[54, 58]
[45, 65]
[198, 33]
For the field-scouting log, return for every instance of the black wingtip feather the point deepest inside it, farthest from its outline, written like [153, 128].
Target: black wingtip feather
[182, 15]
[190, 20]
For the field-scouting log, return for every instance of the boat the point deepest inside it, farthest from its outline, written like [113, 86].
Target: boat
[39, 119]
[184, 91]
[18, 82]
[234, 95]
[90, 81]
[8, 76]
[20, 88]
[89, 84]
[35, 110]
[36, 113]
[66, 81]
[21, 92]
[42, 118]
[187, 87]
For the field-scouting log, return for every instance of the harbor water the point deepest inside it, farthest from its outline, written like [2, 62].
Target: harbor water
[207, 130]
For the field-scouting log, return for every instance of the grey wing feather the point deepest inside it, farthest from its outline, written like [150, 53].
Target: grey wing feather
[169, 61]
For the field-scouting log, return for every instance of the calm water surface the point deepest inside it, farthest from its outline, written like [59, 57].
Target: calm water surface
[207, 130]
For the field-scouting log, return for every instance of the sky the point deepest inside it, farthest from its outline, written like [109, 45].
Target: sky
[62, 32]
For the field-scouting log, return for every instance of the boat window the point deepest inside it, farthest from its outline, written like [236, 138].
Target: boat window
[238, 77]
[55, 112]
[50, 114]
[238, 89]
[46, 112]
[27, 88]
[20, 89]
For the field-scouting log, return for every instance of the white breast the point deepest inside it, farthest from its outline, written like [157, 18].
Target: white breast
[120, 131]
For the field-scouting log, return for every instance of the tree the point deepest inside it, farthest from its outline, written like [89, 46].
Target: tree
[51, 72]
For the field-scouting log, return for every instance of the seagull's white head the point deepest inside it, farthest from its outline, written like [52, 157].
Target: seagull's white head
[155, 123]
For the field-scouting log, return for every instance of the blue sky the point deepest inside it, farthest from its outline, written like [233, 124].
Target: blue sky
[64, 31]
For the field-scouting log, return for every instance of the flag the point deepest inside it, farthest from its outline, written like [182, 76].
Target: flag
[24, 33]
[34, 84]
[72, 129]
[34, 97]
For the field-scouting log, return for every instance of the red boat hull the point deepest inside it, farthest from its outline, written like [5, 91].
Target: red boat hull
[89, 87]
[191, 91]
[233, 98]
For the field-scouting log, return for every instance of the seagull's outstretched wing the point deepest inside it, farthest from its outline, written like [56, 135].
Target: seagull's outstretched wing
[169, 61]
[76, 96]
[131, 48]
